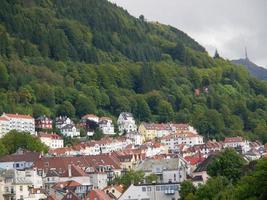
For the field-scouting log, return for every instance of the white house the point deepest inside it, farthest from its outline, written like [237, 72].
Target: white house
[69, 130]
[20, 160]
[188, 138]
[21, 123]
[157, 191]
[53, 141]
[135, 137]
[167, 170]
[233, 142]
[62, 121]
[126, 123]
[18, 182]
[4, 126]
[106, 125]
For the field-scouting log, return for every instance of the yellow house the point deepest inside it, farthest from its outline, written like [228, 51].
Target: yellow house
[147, 131]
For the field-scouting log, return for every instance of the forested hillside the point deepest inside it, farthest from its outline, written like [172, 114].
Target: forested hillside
[72, 57]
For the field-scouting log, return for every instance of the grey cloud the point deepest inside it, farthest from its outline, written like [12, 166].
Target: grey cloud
[228, 25]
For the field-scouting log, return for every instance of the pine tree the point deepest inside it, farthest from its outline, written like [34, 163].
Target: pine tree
[216, 55]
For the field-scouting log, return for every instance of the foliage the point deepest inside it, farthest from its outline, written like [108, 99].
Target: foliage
[151, 178]
[251, 186]
[130, 177]
[228, 164]
[14, 140]
[98, 134]
[187, 188]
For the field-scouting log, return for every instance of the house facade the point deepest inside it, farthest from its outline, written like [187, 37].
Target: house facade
[126, 123]
[21, 123]
[53, 140]
[157, 191]
[69, 130]
[43, 122]
[187, 138]
[106, 125]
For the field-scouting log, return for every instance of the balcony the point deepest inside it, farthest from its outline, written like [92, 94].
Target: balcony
[169, 192]
[9, 193]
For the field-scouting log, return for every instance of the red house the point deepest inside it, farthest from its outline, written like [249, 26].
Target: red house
[43, 122]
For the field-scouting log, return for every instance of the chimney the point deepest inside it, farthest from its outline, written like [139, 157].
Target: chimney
[69, 171]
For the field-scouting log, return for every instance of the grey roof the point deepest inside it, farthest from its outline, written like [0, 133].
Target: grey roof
[197, 178]
[67, 126]
[204, 164]
[165, 164]
[125, 115]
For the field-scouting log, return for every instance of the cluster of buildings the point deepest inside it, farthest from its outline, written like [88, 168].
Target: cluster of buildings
[170, 152]
[90, 122]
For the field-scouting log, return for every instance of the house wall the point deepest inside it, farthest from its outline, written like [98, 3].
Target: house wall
[150, 192]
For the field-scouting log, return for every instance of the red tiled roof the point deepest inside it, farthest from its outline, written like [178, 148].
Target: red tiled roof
[181, 126]
[60, 151]
[153, 126]
[61, 163]
[3, 119]
[193, 160]
[66, 185]
[26, 156]
[98, 194]
[18, 116]
[233, 139]
[52, 136]
[51, 197]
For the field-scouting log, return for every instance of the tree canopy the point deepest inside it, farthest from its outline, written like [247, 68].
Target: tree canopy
[14, 140]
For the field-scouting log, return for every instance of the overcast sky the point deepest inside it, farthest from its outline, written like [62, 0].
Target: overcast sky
[228, 25]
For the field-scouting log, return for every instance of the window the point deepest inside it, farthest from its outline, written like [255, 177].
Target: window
[21, 188]
[157, 188]
[143, 189]
[149, 189]
[113, 191]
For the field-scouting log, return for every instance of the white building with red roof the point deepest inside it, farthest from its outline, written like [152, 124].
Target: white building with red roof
[18, 122]
[53, 140]
[236, 142]
[4, 126]
[172, 141]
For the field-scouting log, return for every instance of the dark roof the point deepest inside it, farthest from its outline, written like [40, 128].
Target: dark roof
[43, 117]
[67, 126]
[204, 164]
[26, 156]
[52, 173]
[197, 178]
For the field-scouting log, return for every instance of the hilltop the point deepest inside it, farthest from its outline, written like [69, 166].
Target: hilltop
[71, 57]
[255, 70]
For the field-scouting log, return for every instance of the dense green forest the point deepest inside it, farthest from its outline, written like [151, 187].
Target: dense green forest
[231, 179]
[72, 57]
